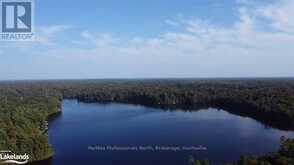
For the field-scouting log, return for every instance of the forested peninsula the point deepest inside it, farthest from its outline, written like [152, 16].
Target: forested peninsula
[25, 106]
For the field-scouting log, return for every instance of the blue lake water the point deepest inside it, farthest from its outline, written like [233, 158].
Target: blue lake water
[88, 133]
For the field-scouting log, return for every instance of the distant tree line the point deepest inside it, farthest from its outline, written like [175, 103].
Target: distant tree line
[26, 105]
[269, 101]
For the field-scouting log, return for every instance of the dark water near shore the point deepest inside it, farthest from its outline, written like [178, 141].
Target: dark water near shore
[80, 134]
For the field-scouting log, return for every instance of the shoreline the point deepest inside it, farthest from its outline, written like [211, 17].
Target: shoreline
[233, 108]
[59, 112]
[48, 157]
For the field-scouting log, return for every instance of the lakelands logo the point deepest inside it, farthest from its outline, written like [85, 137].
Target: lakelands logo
[16, 20]
[9, 157]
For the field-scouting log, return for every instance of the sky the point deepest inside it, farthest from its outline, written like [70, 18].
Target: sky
[154, 39]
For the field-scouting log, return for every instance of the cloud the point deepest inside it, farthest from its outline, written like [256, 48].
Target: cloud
[52, 30]
[280, 14]
[46, 37]
[171, 22]
[45, 34]
[204, 49]
[258, 43]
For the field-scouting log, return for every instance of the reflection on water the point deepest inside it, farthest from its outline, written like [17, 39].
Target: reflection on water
[224, 136]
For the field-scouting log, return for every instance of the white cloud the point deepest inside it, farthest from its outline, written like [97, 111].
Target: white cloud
[46, 37]
[199, 49]
[281, 15]
[51, 30]
[171, 22]
[204, 49]
[45, 34]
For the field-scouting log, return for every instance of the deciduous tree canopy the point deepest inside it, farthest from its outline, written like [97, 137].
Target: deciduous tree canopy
[26, 105]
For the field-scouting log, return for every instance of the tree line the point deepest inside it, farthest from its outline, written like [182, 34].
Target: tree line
[26, 105]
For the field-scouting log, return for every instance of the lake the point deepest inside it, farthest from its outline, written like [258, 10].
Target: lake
[111, 134]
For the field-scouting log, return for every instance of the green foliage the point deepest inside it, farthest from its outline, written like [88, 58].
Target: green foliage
[25, 106]
[192, 161]
[270, 101]
[23, 125]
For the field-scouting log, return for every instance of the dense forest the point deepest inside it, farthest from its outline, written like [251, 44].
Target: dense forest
[26, 105]
[270, 101]
[23, 125]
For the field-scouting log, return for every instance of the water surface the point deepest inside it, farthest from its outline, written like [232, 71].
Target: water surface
[83, 126]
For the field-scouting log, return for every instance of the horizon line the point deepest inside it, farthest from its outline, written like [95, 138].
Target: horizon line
[150, 78]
